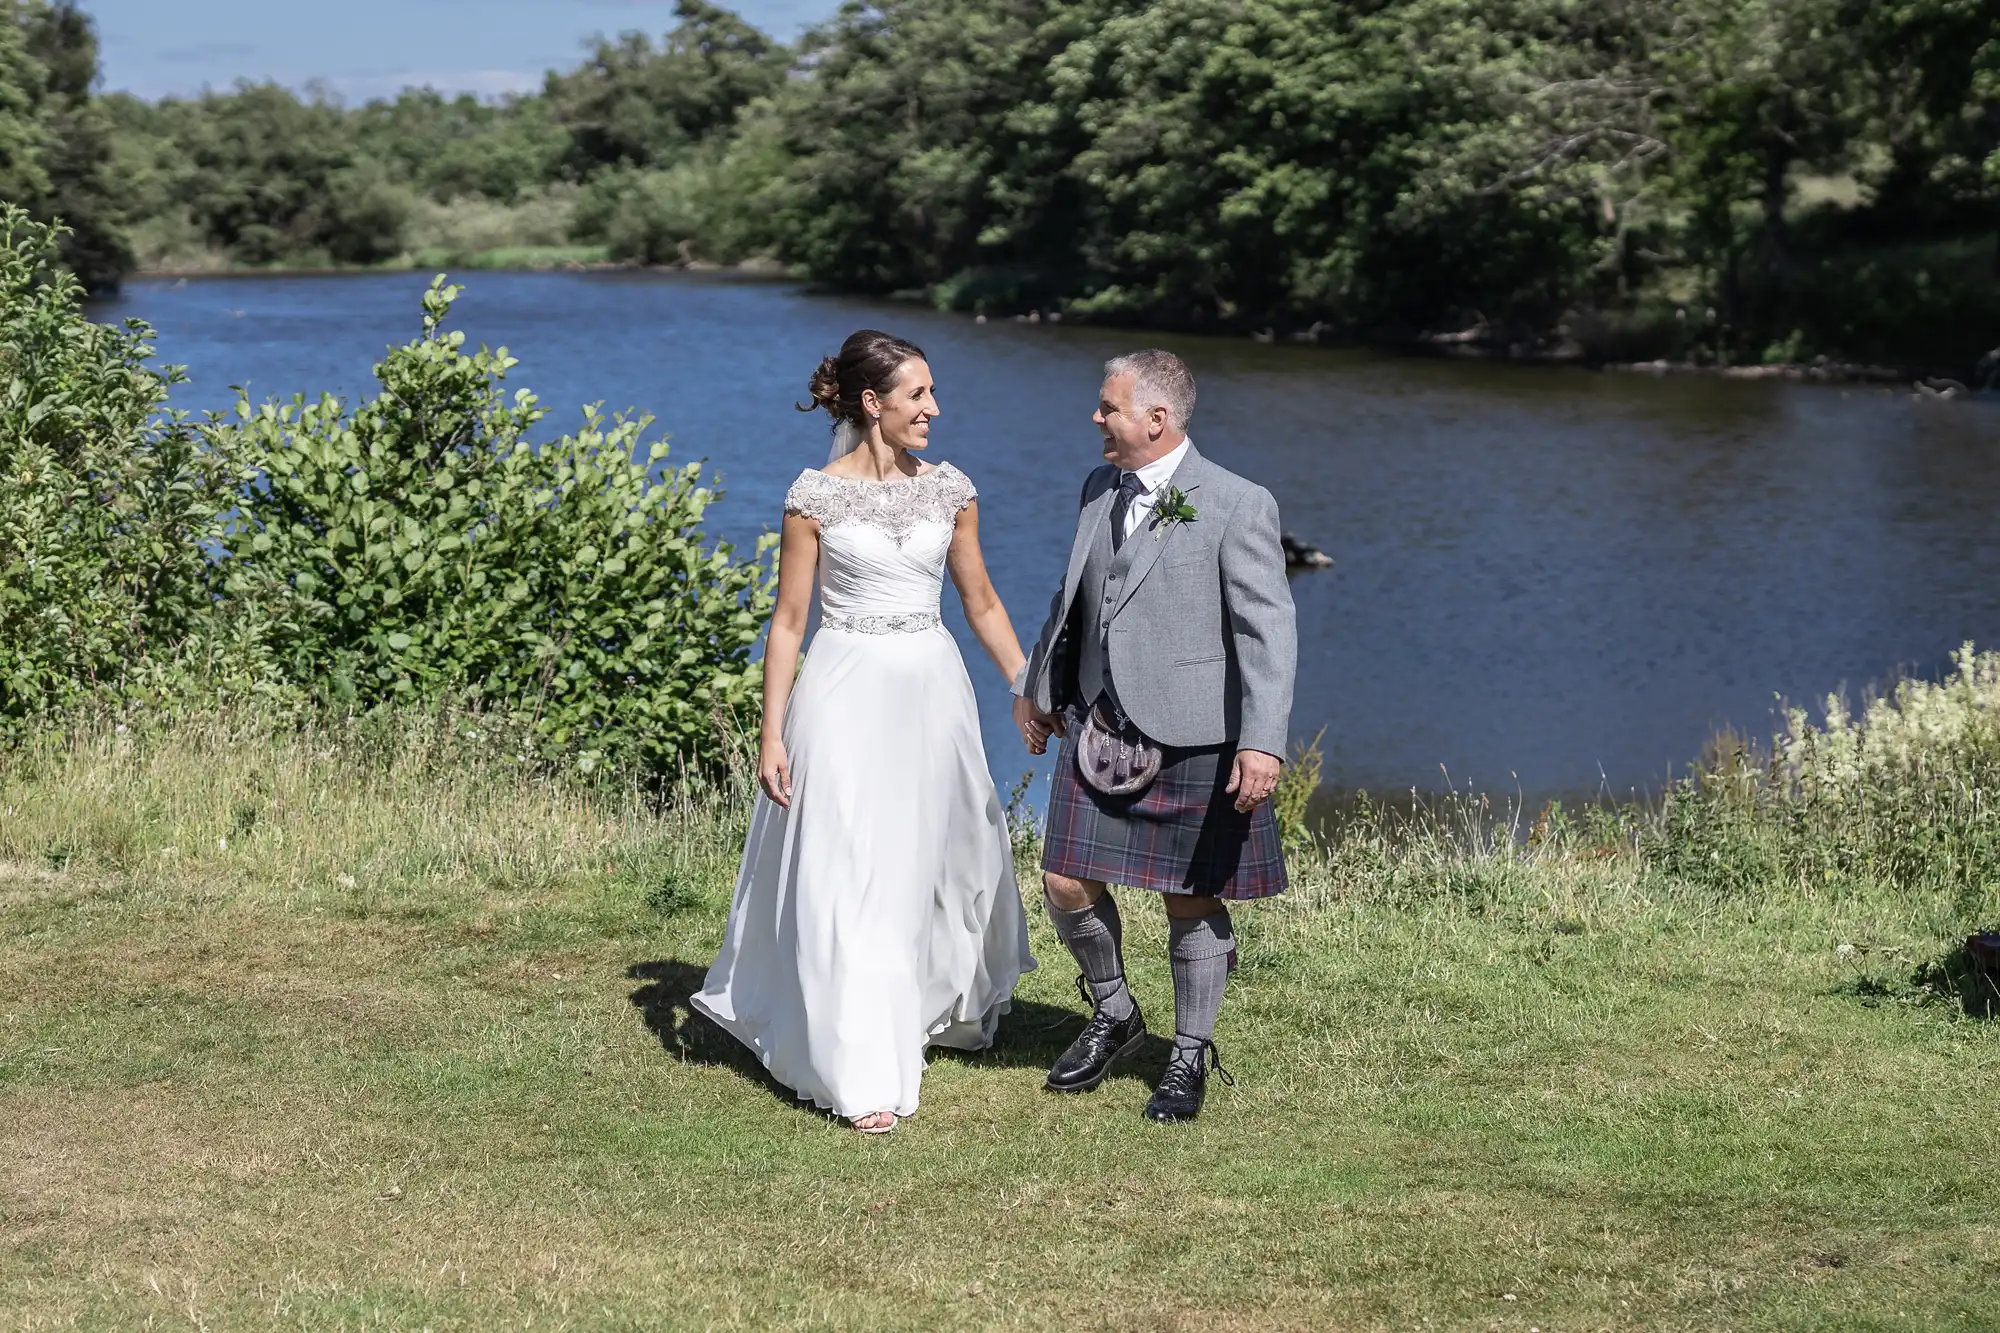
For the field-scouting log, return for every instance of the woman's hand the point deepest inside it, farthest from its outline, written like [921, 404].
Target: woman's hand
[774, 771]
[1036, 726]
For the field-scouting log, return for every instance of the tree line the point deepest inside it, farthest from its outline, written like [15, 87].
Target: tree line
[1734, 180]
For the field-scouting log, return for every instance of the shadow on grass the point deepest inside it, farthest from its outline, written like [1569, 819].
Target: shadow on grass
[1965, 975]
[685, 1032]
[1031, 1036]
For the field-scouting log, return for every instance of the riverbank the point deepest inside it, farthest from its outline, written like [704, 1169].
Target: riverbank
[1822, 370]
[1480, 344]
[362, 1026]
[509, 259]
[519, 258]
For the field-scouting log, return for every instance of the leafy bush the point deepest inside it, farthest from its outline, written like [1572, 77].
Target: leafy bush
[423, 546]
[422, 549]
[717, 205]
[108, 503]
[1920, 730]
[1714, 840]
[473, 225]
[1905, 795]
[646, 216]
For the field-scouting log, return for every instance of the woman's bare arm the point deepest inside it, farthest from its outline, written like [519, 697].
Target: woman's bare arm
[798, 561]
[983, 611]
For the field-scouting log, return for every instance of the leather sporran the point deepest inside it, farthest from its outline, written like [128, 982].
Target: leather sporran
[1113, 755]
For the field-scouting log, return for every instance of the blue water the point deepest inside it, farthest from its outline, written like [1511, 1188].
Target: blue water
[1546, 580]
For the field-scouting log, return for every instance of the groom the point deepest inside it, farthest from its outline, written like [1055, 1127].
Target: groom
[1174, 619]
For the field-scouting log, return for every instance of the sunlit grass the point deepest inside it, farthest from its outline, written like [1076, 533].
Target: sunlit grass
[372, 1027]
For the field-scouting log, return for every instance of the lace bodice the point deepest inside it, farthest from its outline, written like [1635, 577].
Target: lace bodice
[896, 507]
[882, 545]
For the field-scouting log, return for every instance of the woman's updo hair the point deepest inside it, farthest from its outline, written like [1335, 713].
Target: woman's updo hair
[868, 360]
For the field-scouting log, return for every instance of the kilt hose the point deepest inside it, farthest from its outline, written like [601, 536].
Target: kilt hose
[1182, 834]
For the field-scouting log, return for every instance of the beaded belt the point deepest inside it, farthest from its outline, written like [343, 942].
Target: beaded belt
[914, 623]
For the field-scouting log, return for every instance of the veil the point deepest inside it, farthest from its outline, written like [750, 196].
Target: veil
[847, 437]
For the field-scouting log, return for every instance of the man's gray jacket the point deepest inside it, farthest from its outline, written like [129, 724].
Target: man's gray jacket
[1197, 622]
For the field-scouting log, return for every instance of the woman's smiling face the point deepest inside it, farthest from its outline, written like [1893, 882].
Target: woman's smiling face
[906, 410]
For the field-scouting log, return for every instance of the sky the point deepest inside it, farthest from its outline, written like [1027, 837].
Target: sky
[371, 48]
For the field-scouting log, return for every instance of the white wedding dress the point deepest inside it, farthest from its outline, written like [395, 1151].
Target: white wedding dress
[879, 915]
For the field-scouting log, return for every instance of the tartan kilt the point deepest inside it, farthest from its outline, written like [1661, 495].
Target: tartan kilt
[1182, 834]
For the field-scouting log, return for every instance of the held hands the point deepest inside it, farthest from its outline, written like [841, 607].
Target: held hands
[1253, 779]
[1036, 726]
[774, 771]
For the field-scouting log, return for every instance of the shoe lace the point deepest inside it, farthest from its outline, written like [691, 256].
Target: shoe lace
[1082, 989]
[1206, 1051]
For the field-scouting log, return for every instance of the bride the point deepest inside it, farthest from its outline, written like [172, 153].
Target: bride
[876, 912]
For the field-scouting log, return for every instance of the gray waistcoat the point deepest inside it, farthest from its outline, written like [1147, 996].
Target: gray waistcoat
[1104, 572]
[1201, 618]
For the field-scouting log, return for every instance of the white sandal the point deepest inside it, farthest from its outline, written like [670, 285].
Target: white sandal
[860, 1128]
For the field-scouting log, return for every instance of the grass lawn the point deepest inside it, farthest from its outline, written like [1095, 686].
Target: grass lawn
[295, 1038]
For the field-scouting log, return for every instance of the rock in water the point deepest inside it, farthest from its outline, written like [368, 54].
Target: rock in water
[1303, 555]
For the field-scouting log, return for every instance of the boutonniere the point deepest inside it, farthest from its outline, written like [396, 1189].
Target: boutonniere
[1173, 508]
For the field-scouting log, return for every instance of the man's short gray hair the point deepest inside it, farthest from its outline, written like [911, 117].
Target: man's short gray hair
[1159, 379]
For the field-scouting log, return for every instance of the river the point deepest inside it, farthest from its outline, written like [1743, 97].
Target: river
[1546, 581]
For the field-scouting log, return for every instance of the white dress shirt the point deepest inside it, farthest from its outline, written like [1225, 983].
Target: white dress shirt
[1154, 477]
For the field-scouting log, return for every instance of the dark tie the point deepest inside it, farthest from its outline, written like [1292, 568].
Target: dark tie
[1130, 488]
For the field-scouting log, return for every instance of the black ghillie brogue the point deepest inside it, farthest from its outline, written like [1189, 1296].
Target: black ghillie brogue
[1181, 1091]
[1102, 1043]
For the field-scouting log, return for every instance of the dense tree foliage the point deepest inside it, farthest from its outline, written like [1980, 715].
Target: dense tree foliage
[55, 139]
[630, 105]
[1722, 178]
[1732, 177]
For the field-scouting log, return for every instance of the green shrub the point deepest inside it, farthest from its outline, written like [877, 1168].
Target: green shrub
[108, 502]
[1712, 841]
[423, 546]
[473, 225]
[644, 217]
[1903, 796]
[712, 205]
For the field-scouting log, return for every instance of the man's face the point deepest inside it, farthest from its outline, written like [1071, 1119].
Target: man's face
[1130, 438]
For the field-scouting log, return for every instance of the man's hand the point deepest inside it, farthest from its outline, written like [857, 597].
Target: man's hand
[1254, 778]
[1036, 726]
